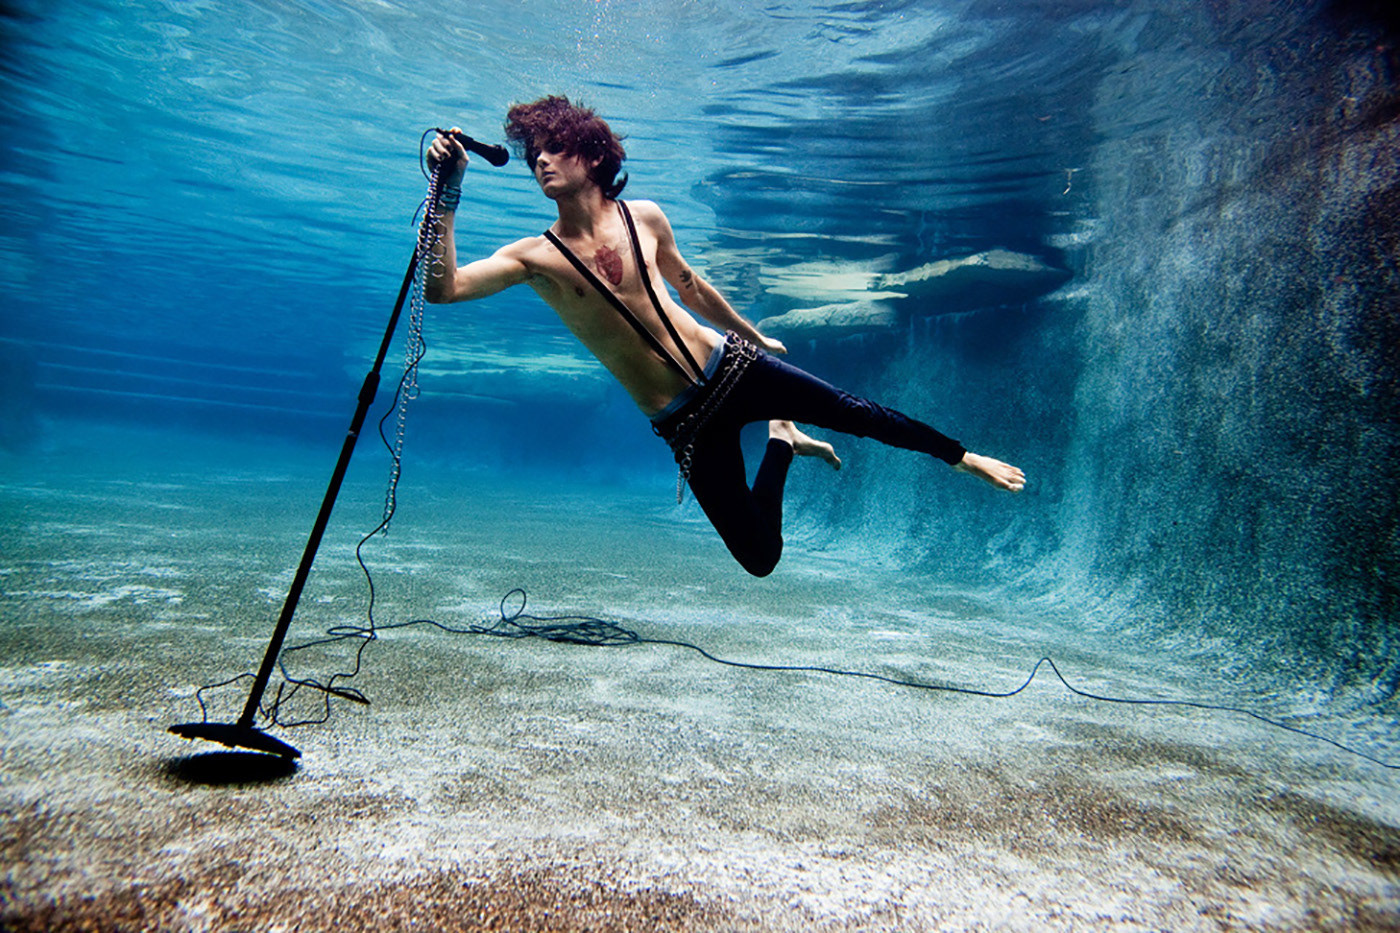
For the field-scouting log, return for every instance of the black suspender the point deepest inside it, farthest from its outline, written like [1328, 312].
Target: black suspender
[651, 292]
[626, 312]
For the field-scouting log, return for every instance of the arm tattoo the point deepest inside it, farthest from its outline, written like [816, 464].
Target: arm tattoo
[687, 278]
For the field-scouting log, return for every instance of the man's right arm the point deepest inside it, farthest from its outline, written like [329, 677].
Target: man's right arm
[446, 282]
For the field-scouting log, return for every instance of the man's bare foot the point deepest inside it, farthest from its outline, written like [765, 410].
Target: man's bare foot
[802, 445]
[1001, 475]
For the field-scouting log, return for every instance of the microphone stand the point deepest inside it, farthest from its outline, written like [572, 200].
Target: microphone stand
[243, 734]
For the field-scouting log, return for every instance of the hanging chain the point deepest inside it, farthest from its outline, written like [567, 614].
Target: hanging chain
[738, 354]
[429, 263]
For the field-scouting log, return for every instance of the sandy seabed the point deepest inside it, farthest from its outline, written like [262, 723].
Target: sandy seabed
[526, 785]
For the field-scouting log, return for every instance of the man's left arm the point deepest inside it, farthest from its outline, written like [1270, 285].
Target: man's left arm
[697, 294]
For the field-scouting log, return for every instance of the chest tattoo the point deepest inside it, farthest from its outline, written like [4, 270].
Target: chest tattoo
[608, 262]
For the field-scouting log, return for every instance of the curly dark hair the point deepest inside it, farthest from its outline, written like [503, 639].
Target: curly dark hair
[556, 124]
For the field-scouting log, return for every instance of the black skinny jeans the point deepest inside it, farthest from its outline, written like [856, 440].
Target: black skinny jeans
[750, 520]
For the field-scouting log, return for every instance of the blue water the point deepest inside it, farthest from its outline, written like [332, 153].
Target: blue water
[206, 207]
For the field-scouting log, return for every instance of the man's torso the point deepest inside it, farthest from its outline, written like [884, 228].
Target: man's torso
[651, 380]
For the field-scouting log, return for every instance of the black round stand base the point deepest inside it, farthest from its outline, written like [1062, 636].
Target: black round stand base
[236, 736]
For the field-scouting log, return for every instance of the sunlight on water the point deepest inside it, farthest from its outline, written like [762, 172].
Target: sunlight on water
[282, 138]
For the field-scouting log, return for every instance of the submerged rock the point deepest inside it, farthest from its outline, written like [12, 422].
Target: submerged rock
[948, 286]
[834, 320]
[982, 280]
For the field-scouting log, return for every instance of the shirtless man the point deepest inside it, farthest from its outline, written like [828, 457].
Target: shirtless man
[603, 267]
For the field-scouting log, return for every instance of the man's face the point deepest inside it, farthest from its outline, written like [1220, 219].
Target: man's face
[557, 173]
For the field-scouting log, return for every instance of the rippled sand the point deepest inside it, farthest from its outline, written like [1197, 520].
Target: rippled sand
[524, 785]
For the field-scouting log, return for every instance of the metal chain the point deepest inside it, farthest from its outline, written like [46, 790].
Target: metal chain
[738, 355]
[429, 262]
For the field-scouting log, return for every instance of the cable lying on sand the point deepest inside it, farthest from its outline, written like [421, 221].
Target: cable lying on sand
[513, 622]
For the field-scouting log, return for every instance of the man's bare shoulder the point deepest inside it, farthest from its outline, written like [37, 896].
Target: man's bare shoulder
[524, 249]
[650, 215]
[532, 252]
[647, 211]
[543, 267]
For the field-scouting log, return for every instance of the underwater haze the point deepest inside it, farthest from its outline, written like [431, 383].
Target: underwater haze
[206, 210]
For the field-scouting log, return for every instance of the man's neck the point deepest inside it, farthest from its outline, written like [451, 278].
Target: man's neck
[581, 213]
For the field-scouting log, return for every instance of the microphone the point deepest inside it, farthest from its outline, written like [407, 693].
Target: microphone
[496, 155]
